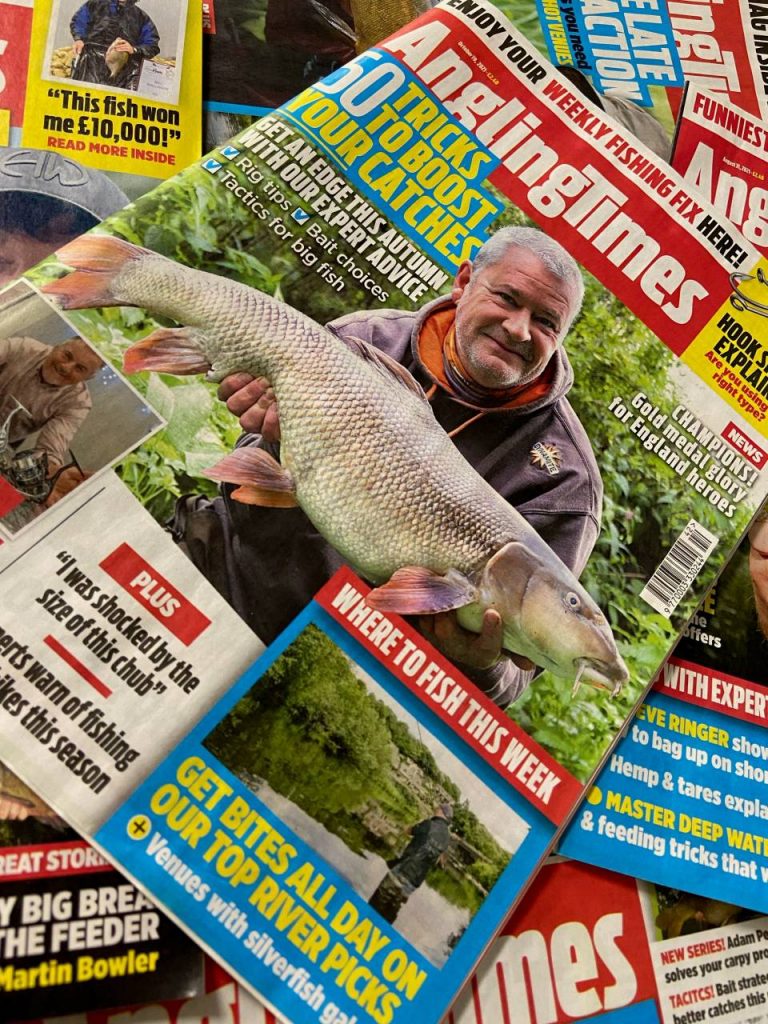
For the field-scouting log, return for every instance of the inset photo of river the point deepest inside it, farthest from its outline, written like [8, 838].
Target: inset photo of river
[381, 799]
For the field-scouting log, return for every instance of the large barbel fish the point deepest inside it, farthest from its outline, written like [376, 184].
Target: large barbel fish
[362, 454]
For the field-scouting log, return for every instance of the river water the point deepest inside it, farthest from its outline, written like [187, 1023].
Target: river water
[426, 919]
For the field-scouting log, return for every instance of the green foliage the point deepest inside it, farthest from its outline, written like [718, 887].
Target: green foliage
[311, 729]
[524, 15]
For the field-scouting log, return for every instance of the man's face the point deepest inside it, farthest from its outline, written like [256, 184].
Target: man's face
[510, 318]
[70, 363]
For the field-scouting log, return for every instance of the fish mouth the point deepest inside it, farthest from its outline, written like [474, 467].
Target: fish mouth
[603, 675]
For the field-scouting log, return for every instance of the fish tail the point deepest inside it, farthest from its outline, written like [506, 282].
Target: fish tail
[97, 260]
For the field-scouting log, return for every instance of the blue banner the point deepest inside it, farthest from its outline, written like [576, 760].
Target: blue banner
[622, 46]
[682, 802]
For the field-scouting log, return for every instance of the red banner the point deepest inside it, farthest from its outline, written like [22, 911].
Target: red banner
[737, 698]
[155, 593]
[435, 680]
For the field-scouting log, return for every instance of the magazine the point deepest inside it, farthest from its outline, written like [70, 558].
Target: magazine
[222, 1001]
[633, 952]
[710, 691]
[649, 54]
[129, 101]
[719, 148]
[54, 187]
[682, 797]
[352, 857]
[75, 935]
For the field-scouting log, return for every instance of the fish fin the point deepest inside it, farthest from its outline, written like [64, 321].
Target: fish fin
[177, 350]
[82, 290]
[96, 260]
[414, 590]
[261, 478]
[250, 495]
[386, 365]
[100, 253]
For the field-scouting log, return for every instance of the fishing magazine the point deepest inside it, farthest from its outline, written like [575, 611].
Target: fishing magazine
[338, 810]
[633, 952]
[712, 686]
[698, 742]
[59, 894]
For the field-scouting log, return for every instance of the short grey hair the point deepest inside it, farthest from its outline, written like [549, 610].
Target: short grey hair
[555, 258]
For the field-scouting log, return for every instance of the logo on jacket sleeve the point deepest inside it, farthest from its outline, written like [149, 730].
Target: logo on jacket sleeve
[546, 456]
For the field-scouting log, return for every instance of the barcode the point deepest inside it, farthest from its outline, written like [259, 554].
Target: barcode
[682, 564]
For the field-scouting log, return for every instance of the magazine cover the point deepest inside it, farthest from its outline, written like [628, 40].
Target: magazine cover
[711, 690]
[485, 516]
[75, 935]
[632, 953]
[648, 52]
[682, 798]
[49, 195]
[116, 87]
[222, 1001]
[720, 149]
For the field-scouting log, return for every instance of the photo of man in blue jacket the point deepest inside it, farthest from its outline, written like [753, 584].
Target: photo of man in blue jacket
[111, 38]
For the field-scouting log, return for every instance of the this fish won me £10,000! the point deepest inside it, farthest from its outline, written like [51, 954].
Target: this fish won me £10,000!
[361, 453]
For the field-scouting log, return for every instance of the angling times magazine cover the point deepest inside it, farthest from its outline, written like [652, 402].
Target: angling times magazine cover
[60, 897]
[347, 819]
[682, 798]
[634, 953]
[721, 150]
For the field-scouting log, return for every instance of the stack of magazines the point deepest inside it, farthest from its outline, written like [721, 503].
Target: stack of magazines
[365, 489]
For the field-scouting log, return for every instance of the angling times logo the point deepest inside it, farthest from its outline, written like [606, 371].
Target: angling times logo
[546, 456]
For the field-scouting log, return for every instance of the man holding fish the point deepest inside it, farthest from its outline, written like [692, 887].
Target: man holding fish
[374, 471]
[111, 38]
[490, 357]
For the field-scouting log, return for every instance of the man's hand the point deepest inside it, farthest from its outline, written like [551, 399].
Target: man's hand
[253, 401]
[758, 570]
[77, 47]
[475, 650]
[122, 46]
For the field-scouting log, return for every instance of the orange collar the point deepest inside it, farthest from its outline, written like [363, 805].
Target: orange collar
[436, 348]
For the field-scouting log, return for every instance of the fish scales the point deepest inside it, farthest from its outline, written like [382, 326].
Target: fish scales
[418, 502]
[371, 467]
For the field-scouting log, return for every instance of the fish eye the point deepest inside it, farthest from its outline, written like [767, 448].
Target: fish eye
[572, 600]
